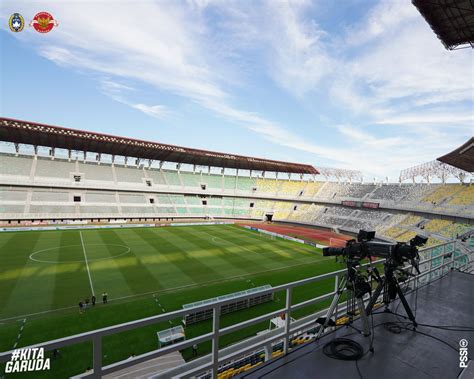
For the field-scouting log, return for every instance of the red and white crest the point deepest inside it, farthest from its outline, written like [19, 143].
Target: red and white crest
[43, 22]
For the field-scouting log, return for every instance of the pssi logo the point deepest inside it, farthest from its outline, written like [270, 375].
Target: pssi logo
[43, 22]
[463, 353]
[16, 22]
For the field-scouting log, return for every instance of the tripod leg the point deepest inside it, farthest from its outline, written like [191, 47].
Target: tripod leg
[335, 302]
[405, 304]
[374, 298]
[363, 316]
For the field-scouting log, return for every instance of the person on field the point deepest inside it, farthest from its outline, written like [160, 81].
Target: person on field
[80, 306]
[104, 297]
[86, 301]
[55, 353]
[195, 350]
[93, 300]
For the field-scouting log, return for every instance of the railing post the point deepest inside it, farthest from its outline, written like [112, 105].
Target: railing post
[336, 287]
[453, 252]
[286, 344]
[268, 352]
[431, 265]
[215, 339]
[97, 356]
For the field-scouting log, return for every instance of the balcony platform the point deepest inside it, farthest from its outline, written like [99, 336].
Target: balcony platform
[447, 301]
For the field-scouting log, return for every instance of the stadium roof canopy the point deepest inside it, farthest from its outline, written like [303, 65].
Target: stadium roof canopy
[451, 20]
[32, 133]
[462, 157]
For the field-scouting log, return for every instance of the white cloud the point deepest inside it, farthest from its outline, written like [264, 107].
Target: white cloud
[385, 17]
[430, 118]
[388, 71]
[158, 111]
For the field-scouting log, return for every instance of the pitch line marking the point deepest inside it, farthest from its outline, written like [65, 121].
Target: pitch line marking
[87, 264]
[126, 251]
[172, 289]
[251, 235]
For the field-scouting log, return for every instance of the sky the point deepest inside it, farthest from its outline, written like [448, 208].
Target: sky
[359, 84]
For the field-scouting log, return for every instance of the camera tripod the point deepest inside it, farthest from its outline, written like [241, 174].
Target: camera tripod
[357, 287]
[389, 284]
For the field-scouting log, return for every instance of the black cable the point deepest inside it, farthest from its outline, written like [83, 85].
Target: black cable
[416, 292]
[343, 349]
[457, 328]
[392, 327]
[391, 324]
[453, 328]
[358, 369]
[436, 338]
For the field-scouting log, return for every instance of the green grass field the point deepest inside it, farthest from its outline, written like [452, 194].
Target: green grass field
[43, 276]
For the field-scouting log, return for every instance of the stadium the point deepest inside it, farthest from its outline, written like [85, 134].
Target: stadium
[130, 258]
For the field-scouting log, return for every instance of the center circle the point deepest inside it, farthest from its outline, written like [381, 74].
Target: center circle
[42, 255]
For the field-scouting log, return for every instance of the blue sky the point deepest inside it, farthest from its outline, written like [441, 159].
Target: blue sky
[354, 84]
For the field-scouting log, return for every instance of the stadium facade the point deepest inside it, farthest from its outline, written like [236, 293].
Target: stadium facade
[94, 178]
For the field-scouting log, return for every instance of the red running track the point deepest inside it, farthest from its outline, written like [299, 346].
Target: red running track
[322, 236]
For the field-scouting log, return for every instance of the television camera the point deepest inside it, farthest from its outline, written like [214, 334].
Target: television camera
[364, 247]
[357, 284]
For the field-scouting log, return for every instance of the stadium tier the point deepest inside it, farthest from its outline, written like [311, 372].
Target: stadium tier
[41, 189]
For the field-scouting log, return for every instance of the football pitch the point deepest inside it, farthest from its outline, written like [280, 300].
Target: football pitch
[145, 271]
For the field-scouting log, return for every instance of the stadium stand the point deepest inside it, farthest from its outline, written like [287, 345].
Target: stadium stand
[190, 179]
[270, 186]
[62, 169]
[92, 171]
[312, 188]
[406, 236]
[436, 225]
[411, 220]
[100, 197]
[101, 203]
[230, 182]
[49, 196]
[213, 181]
[291, 187]
[172, 178]
[131, 174]
[282, 210]
[132, 198]
[17, 166]
[13, 209]
[157, 176]
[463, 197]
[246, 184]
[442, 192]
[156, 198]
[13, 194]
[177, 199]
[126, 209]
[393, 192]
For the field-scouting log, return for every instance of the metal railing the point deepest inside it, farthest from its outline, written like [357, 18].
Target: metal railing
[218, 356]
